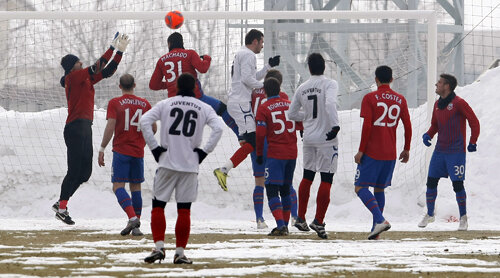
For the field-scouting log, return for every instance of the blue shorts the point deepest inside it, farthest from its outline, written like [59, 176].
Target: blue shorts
[258, 170]
[279, 171]
[374, 173]
[127, 168]
[447, 164]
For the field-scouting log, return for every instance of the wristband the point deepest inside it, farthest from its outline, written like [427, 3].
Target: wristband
[101, 149]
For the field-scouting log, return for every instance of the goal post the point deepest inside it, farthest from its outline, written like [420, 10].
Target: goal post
[33, 106]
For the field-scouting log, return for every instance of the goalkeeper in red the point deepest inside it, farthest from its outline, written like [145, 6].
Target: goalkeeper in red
[376, 158]
[273, 123]
[78, 83]
[449, 118]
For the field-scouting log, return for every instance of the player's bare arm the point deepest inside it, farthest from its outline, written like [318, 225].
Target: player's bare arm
[108, 134]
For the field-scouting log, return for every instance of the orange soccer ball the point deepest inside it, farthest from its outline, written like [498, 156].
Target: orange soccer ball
[174, 19]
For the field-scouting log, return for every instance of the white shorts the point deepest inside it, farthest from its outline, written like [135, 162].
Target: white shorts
[320, 159]
[242, 114]
[184, 183]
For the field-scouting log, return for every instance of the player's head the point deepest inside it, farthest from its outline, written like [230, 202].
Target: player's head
[254, 40]
[185, 85]
[275, 74]
[383, 74]
[127, 83]
[449, 80]
[69, 61]
[271, 87]
[175, 41]
[316, 64]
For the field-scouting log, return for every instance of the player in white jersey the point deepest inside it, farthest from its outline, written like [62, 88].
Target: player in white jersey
[318, 99]
[179, 153]
[244, 78]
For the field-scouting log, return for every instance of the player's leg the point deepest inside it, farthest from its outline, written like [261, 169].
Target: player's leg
[221, 110]
[285, 193]
[120, 175]
[323, 197]
[309, 157]
[294, 205]
[136, 178]
[437, 169]
[379, 194]
[258, 192]
[274, 180]
[456, 169]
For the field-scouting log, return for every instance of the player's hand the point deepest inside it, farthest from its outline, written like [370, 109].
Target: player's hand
[357, 157]
[201, 154]
[123, 41]
[472, 147]
[427, 139]
[157, 152]
[274, 61]
[114, 42]
[206, 58]
[404, 156]
[100, 159]
[259, 159]
[332, 133]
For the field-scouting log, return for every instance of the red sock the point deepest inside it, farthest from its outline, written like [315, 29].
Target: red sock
[322, 201]
[241, 154]
[182, 227]
[304, 190]
[63, 204]
[158, 224]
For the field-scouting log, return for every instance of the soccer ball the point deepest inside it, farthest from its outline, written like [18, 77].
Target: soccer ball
[174, 19]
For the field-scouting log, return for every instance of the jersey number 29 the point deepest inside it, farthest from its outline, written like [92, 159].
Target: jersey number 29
[391, 112]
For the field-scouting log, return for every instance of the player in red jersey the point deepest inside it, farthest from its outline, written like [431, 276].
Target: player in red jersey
[179, 60]
[123, 116]
[448, 159]
[79, 86]
[273, 124]
[376, 158]
[259, 97]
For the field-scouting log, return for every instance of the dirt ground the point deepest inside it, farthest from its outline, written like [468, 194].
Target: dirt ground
[94, 250]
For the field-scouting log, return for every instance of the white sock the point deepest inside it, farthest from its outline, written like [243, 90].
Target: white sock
[179, 251]
[61, 210]
[159, 245]
[133, 218]
[228, 166]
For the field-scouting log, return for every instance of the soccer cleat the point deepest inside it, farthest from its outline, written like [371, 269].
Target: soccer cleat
[64, 217]
[319, 228]
[301, 225]
[283, 231]
[261, 224]
[463, 223]
[221, 178]
[55, 206]
[378, 229]
[181, 259]
[293, 220]
[155, 255]
[426, 220]
[131, 224]
[137, 232]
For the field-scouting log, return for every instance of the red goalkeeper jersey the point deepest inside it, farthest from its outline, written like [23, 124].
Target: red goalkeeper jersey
[128, 110]
[176, 62]
[273, 123]
[381, 111]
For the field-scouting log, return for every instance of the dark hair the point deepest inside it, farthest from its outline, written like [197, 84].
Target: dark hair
[316, 64]
[271, 86]
[384, 74]
[127, 82]
[185, 85]
[253, 34]
[450, 80]
[275, 74]
[175, 41]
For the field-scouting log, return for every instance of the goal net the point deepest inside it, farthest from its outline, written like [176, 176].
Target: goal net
[33, 107]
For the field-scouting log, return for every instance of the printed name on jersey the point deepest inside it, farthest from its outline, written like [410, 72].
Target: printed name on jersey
[389, 97]
[311, 91]
[277, 104]
[132, 102]
[174, 54]
[185, 103]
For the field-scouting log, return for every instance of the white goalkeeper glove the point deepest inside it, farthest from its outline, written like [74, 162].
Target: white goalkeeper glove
[122, 42]
[114, 42]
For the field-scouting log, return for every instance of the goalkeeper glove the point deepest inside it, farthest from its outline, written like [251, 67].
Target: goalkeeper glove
[472, 147]
[259, 159]
[332, 133]
[427, 139]
[115, 40]
[274, 61]
[201, 154]
[123, 41]
[157, 152]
